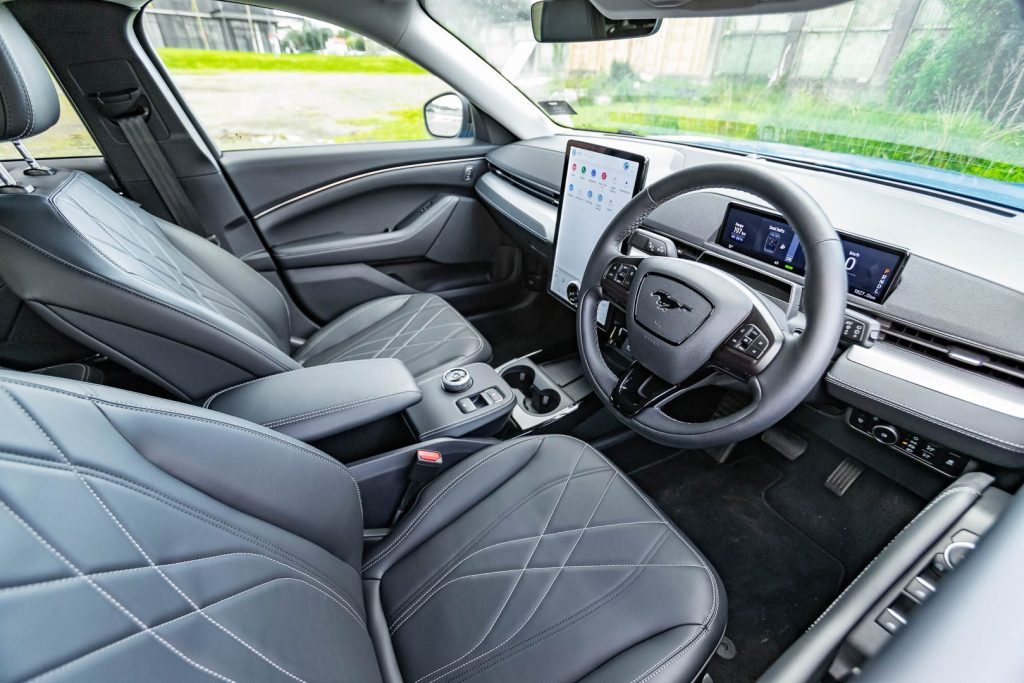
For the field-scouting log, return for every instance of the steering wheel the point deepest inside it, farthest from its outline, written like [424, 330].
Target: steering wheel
[691, 325]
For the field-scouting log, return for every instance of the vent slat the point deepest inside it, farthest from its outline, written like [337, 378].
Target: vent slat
[540, 192]
[954, 353]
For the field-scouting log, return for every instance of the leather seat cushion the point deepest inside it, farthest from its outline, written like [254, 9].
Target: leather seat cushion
[537, 559]
[422, 330]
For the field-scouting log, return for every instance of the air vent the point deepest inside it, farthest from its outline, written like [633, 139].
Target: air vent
[541, 192]
[961, 355]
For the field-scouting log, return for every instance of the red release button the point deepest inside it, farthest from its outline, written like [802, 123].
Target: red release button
[428, 456]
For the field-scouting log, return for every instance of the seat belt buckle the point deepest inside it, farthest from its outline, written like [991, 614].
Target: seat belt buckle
[424, 469]
[426, 466]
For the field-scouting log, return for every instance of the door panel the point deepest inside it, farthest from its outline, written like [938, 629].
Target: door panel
[268, 177]
[349, 223]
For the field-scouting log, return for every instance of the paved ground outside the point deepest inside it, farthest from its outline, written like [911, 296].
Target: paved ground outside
[259, 109]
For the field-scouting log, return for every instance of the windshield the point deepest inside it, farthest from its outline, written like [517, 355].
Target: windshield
[923, 91]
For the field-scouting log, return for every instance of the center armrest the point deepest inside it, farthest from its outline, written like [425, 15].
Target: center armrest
[313, 403]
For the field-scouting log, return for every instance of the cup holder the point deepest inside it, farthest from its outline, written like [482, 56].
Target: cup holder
[536, 400]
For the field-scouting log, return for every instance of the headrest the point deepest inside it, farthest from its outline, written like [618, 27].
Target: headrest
[28, 100]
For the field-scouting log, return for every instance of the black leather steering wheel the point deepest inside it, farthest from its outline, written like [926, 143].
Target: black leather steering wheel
[691, 325]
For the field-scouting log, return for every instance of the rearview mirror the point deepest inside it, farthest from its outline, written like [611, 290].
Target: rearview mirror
[448, 116]
[573, 21]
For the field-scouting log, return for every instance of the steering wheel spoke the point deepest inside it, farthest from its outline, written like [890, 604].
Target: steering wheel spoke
[638, 389]
[752, 346]
[617, 279]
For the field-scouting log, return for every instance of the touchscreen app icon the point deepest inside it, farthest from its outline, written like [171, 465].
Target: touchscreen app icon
[604, 176]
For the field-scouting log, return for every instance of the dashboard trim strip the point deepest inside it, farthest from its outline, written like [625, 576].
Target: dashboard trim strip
[937, 376]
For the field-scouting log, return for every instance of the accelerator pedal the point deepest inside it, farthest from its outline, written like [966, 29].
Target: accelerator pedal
[843, 476]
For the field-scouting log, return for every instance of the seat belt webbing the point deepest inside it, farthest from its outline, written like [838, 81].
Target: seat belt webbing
[159, 170]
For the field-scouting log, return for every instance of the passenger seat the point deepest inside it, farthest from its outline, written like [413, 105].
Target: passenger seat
[160, 299]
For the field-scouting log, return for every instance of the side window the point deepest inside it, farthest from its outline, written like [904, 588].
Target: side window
[68, 138]
[259, 78]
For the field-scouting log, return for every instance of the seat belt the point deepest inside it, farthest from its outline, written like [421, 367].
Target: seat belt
[127, 109]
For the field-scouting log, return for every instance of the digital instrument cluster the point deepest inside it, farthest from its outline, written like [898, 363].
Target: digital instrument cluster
[871, 268]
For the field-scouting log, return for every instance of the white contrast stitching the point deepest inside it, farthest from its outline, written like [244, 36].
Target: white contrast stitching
[529, 559]
[422, 598]
[433, 501]
[111, 599]
[334, 409]
[138, 547]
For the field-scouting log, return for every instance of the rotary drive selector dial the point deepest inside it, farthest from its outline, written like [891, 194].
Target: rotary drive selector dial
[456, 380]
[572, 293]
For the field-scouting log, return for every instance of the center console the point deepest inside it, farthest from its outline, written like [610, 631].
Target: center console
[472, 399]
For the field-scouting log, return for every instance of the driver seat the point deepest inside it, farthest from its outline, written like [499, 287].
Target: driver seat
[161, 300]
[148, 540]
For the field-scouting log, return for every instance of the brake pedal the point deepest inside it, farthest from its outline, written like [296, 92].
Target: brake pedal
[843, 476]
[789, 444]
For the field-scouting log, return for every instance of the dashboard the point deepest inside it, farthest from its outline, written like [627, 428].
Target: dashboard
[932, 359]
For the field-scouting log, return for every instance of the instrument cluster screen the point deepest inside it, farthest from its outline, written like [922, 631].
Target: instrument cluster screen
[871, 268]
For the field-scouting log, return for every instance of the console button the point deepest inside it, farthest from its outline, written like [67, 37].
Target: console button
[862, 421]
[885, 434]
[950, 463]
[919, 588]
[956, 552]
[466, 405]
[890, 620]
[493, 395]
[758, 347]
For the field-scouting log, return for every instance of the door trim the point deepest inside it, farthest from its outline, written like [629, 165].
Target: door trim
[359, 176]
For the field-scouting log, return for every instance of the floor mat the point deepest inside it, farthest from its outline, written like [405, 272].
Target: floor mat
[853, 528]
[777, 580]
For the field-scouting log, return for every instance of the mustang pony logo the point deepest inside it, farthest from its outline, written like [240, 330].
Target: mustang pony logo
[667, 303]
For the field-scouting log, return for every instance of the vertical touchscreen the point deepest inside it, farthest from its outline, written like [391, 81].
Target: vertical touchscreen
[598, 182]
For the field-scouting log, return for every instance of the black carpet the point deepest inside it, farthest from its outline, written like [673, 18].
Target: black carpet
[783, 545]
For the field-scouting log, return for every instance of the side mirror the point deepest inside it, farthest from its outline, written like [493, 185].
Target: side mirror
[574, 21]
[448, 116]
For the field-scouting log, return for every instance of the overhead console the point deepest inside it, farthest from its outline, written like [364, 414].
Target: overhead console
[873, 268]
[597, 181]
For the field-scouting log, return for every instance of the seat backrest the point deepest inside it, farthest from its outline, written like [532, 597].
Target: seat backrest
[143, 537]
[149, 294]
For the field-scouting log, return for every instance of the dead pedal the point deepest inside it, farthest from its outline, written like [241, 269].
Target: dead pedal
[843, 476]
